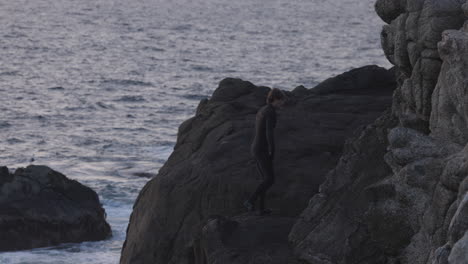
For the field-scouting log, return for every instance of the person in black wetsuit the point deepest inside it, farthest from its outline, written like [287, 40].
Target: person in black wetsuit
[263, 148]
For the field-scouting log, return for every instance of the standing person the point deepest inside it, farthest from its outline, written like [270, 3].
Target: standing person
[263, 148]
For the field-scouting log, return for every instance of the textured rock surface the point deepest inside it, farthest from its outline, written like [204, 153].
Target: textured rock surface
[211, 170]
[389, 10]
[244, 239]
[410, 42]
[458, 254]
[40, 207]
[449, 118]
[408, 204]
[334, 228]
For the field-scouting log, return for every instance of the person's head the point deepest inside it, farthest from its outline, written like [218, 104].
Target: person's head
[276, 97]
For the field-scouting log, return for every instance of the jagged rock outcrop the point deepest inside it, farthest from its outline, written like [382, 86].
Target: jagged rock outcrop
[211, 171]
[450, 99]
[334, 228]
[410, 43]
[409, 205]
[40, 207]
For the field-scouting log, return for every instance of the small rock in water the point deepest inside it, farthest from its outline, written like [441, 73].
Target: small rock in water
[42, 207]
[144, 174]
[56, 88]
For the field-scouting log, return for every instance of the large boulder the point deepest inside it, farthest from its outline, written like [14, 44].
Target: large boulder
[40, 207]
[211, 171]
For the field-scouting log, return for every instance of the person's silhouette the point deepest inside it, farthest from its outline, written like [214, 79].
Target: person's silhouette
[263, 148]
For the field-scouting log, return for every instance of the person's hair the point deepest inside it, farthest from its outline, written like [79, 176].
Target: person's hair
[275, 94]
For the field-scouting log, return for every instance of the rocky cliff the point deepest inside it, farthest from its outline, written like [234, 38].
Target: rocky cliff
[395, 192]
[40, 207]
[211, 171]
[410, 204]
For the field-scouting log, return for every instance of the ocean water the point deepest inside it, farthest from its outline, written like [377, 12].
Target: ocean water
[96, 89]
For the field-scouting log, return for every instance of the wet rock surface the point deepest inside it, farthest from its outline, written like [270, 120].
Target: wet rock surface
[211, 171]
[40, 207]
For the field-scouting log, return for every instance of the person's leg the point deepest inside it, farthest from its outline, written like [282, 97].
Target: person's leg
[265, 167]
[250, 203]
[262, 200]
[267, 183]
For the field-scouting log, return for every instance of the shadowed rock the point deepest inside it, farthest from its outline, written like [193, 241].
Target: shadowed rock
[398, 193]
[389, 10]
[211, 171]
[334, 227]
[40, 207]
[244, 239]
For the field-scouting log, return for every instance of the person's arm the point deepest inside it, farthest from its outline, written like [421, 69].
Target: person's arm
[270, 133]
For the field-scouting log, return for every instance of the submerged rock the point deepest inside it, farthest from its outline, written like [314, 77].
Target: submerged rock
[40, 207]
[211, 171]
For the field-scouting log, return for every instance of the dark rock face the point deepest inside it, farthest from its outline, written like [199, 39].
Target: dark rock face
[389, 10]
[408, 203]
[40, 207]
[397, 195]
[211, 171]
[334, 227]
[244, 239]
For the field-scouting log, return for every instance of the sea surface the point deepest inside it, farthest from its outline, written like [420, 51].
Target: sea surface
[96, 89]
